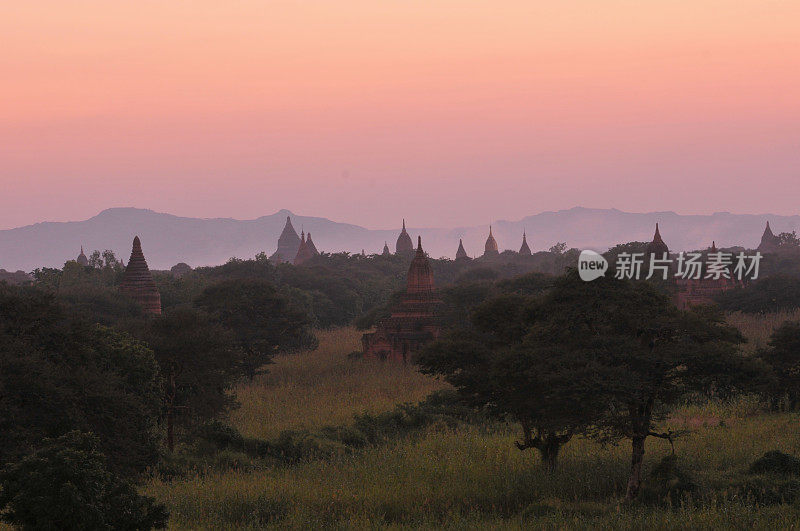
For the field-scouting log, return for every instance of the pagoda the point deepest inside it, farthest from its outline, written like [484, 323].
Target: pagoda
[311, 247]
[461, 254]
[288, 244]
[657, 246]
[404, 246]
[413, 321]
[138, 283]
[386, 251]
[304, 253]
[82, 260]
[700, 291]
[524, 250]
[769, 242]
[490, 250]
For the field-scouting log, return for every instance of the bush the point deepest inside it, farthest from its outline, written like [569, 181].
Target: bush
[668, 482]
[776, 462]
[65, 485]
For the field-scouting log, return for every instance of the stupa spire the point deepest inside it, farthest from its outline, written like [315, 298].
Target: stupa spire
[138, 283]
[461, 254]
[404, 244]
[524, 249]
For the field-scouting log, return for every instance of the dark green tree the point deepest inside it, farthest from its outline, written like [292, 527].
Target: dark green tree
[200, 363]
[59, 373]
[783, 357]
[645, 354]
[263, 321]
[496, 364]
[65, 484]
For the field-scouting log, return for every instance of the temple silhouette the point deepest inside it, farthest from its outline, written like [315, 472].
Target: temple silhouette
[138, 283]
[413, 321]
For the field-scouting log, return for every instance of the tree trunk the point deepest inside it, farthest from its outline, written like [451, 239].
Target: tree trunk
[549, 452]
[637, 457]
[170, 429]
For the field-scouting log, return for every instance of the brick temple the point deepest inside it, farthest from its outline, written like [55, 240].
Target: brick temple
[413, 321]
[138, 283]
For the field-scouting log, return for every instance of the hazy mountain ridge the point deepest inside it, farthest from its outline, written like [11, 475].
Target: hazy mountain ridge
[169, 239]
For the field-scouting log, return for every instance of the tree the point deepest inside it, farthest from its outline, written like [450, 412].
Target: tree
[496, 365]
[645, 354]
[65, 485]
[200, 363]
[789, 239]
[783, 357]
[59, 373]
[263, 321]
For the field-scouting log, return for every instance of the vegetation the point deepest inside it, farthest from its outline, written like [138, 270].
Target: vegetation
[65, 485]
[469, 475]
[59, 374]
[325, 438]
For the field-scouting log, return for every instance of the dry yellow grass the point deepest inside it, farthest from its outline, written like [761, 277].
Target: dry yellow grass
[312, 389]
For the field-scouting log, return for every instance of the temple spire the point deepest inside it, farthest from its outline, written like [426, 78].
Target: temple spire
[138, 283]
[657, 246]
[461, 254]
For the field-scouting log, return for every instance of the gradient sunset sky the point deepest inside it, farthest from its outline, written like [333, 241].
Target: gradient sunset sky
[443, 112]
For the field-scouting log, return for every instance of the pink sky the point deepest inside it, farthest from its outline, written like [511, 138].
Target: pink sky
[445, 112]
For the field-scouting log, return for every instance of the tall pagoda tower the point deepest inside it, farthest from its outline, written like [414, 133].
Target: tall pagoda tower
[413, 321]
[288, 244]
[138, 283]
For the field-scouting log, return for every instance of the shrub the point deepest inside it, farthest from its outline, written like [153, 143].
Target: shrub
[668, 482]
[776, 462]
[65, 485]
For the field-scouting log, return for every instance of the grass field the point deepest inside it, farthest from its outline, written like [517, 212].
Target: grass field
[471, 477]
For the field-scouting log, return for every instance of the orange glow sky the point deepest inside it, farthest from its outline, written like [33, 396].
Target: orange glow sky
[442, 112]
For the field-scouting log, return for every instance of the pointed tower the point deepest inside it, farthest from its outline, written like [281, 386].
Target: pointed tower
[82, 260]
[386, 251]
[461, 254]
[657, 246]
[311, 246]
[769, 242]
[413, 321]
[303, 252]
[288, 244]
[524, 250]
[420, 274]
[490, 249]
[138, 283]
[404, 246]
[713, 247]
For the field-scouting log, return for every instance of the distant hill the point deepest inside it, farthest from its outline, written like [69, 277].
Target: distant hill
[169, 239]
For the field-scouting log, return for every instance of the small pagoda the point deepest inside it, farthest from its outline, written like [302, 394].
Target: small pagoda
[524, 250]
[769, 242]
[413, 321]
[490, 249]
[138, 283]
[307, 251]
[461, 254]
[404, 245]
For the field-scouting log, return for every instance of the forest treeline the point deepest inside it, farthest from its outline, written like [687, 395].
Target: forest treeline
[94, 393]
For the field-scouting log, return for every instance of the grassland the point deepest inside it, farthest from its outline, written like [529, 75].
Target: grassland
[470, 477]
